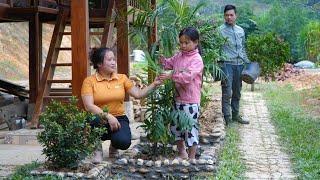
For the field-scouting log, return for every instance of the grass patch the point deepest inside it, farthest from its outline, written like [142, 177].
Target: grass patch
[23, 173]
[298, 130]
[230, 165]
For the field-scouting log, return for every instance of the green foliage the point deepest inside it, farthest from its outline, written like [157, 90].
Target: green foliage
[23, 172]
[211, 42]
[270, 51]
[67, 137]
[298, 129]
[245, 19]
[311, 40]
[160, 111]
[173, 15]
[230, 165]
[287, 20]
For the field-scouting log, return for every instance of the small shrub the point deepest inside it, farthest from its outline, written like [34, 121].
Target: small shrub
[270, 51]
[67, 137]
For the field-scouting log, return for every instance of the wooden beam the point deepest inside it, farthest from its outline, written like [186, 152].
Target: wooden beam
[122, 36]
[122, 25]
[152, 39]
[108, 27]
[35, 63]
[80, 45]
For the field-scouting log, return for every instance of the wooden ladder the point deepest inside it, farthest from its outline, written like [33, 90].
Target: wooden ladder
[47, 80]
[46, 92]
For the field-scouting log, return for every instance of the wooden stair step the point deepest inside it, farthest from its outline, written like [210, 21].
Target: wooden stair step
[61, 89]
[64, 48]
[61, 64]
[60, 93]
[59, 80]
[91, 33]
[96, 33]
[98, 19]
[65, 33]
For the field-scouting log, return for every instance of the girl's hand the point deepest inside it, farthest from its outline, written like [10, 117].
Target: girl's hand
[162, 59]
[157, 81]
[163, 76]
[114, 123]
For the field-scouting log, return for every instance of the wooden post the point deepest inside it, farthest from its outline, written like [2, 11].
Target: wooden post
[122, 37]
[35, 63]
[108, 27]
[152, 39]
[252, 87]
[80, 45]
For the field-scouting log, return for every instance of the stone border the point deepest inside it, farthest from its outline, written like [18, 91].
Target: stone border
[133, 168]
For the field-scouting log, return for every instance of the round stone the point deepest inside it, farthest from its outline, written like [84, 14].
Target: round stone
[158, 163]
[175, 162]
[149, 163]
[210, 168]
[140, 162]
[132, 170]
[185, 163]
[201, 161]
[166, 162]
[122, 161]
[143, 170]
[210, 162]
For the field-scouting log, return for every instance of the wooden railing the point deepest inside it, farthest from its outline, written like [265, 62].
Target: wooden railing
[137, 4]
[32, 3]
[54, 3]
[5, 3]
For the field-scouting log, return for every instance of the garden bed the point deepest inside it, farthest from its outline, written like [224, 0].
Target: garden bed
[140, 162]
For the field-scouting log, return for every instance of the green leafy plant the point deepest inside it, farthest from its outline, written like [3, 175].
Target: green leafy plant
[67, 137]
[311, 40]
[161, 113]
[270, 51]
[287, 20]
[173, 15]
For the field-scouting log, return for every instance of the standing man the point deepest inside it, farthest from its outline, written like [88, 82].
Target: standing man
[232, 65]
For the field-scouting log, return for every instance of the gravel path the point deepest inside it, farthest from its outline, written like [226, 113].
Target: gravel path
[260, 148]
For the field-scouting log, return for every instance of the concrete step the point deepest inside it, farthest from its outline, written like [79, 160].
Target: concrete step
[22, 137]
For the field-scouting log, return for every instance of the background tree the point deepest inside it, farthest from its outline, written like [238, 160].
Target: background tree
[270, 51]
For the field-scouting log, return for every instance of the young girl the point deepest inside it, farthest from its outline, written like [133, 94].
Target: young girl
[187, 69]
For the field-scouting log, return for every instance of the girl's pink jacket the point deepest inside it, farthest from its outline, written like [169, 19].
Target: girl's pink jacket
[187, 74]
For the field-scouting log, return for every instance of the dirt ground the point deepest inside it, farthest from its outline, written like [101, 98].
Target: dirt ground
[307, 81]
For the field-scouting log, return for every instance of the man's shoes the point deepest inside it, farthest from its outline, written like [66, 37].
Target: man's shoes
[240, 119]
[227, 120]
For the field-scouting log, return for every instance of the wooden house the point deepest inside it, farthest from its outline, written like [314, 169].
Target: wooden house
[105, 14]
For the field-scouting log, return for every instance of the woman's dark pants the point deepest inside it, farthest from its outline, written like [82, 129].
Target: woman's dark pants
[120, 139]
